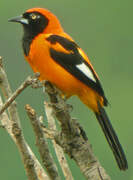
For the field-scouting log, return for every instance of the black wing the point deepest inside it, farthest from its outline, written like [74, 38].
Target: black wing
[74, 63]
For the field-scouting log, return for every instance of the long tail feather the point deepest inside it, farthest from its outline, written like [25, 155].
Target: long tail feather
[112, 138]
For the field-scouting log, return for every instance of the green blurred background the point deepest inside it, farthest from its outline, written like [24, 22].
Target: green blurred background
[104, 30]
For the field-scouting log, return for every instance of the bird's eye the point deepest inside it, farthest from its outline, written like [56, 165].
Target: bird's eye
[33, 16]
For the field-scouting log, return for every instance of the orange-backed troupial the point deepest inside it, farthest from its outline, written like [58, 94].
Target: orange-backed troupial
[58, 59]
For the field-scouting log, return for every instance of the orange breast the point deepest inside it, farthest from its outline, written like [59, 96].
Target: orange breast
[40, 60]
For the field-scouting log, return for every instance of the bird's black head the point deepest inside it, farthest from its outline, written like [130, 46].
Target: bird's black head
[33, 23]
[36, 21]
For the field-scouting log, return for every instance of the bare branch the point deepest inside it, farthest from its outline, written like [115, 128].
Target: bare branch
[59, 151]
[42, 145]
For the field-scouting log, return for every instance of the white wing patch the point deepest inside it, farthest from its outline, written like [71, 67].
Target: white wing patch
[86, 71]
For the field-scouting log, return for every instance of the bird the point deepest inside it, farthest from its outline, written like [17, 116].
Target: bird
[53, 53]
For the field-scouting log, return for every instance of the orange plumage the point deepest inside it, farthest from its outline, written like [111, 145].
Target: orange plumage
[54, 54]
[40, 61]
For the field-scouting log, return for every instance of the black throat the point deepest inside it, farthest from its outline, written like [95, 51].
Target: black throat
[26, 42]
[31, 30]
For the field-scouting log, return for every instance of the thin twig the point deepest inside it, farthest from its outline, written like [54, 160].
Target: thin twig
[23, 86]
[42, 145]
[59, 151]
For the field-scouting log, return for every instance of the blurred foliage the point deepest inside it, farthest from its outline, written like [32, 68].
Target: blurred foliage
[104, 29]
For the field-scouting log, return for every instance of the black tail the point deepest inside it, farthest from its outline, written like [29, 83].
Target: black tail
[112, 138]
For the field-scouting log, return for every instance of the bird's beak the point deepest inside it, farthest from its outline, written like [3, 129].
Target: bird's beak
[19, 19]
